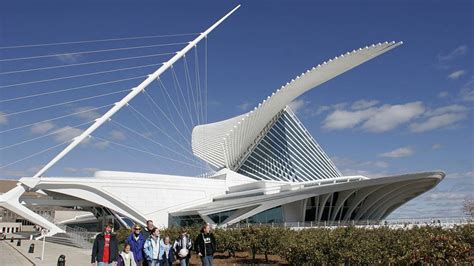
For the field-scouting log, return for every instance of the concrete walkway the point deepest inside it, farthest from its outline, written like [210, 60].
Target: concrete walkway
[10, 256]
[52, 251]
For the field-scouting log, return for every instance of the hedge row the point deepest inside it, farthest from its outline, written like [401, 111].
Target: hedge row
[347, 244]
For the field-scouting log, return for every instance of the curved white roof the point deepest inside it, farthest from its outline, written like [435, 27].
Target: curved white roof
[223, 143]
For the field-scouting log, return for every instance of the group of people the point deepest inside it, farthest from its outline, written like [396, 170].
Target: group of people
[148, 248]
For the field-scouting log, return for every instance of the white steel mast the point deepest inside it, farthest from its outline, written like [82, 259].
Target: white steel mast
[135, 91]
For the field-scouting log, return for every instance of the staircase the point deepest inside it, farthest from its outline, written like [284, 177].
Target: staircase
[63, 239]
[73, 236]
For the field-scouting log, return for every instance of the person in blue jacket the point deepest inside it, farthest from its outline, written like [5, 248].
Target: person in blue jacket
[152, 248]
[136, 241]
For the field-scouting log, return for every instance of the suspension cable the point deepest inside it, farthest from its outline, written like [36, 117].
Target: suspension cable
[198, 79]
[147, 152]
[129, 136]
[178, 86]
[205, 114]
[174, 105]
[78, 76]
[149, 139]
[98, 40]
[55, 118]
[205, 79]
[190, 88]
[69, 89]
[64, 103]
[166, 116]
[160, 129]
[43, 136]
[34, 154]
[85, 63]
[90, 52]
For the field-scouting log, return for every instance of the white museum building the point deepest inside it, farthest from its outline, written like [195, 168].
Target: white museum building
[268, 168]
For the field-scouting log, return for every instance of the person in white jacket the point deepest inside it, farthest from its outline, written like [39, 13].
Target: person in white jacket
[125, 257]
[152, 248]
[182, 247]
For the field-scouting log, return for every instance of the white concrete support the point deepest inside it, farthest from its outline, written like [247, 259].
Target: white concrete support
[294, 211]
[359, 197]
[372, 203]
[316, 203]
[403, 192]
[10, 201]
[239, 213]
[373, 199]
[343, 196]
[322, 203]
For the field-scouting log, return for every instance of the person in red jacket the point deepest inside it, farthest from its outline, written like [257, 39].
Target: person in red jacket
[105, 249]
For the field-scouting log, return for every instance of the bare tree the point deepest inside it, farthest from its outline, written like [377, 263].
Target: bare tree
[468, 207]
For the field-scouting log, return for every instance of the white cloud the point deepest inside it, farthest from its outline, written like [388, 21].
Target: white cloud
[9, 173]
[341, 119]
[398, 153]
[374, 119]
[455, 108]
[443, 94]
[436, 146]
[70, 169]
[467, 91]
[101, 144]
[389, 117]
[365, 168]
[325, 108]
[465, 175]
[447, 196]
[321, 109]
[69, 58]
[445, 61]
[67, 133]
[438, 121]
[456, 74]
[367, 173]
[297, 105]
[3, 119]
[363, 104]
[41, 128]
[244, 106]
[459, 51]
[86, 112]
[346, 162]
[117, 135]
[87, 170]
[467, 94]
[150, 134]
[441, 117]
[381, 164]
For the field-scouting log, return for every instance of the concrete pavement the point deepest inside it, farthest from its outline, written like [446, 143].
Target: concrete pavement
[10, 257]
[74, 256]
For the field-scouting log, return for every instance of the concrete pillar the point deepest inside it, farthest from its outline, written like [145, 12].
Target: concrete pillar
[294, 211]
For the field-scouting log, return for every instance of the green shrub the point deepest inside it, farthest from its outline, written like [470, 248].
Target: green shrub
[344, 245]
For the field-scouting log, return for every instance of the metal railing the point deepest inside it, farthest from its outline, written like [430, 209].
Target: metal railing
[80, 236]
[77, 235]
[445, 222]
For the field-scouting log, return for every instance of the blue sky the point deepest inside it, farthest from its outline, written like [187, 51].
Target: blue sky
[409, 110]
